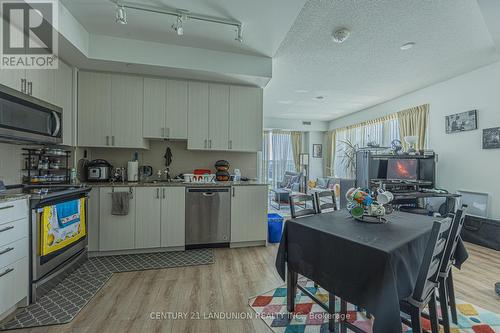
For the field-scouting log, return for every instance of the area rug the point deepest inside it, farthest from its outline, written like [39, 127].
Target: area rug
[309, 317]
[63, 303]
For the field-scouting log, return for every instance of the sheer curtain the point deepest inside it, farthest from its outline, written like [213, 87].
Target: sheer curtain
[277, 155]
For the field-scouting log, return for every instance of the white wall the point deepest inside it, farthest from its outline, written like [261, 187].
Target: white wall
[463, 164]
[315, 164]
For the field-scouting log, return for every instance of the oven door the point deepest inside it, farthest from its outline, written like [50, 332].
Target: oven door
[59, 232]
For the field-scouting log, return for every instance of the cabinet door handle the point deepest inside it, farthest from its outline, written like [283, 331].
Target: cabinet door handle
[205, 143]
[233, 190]
[7, 228]
[168, 132]
[113, 140]
[157, 193]
[23, 86]
[6, 207]
[230, 144]
[6, 250]
[30, 88]
[210, 143]
[6, 272]
[107, 140]
[163, 132]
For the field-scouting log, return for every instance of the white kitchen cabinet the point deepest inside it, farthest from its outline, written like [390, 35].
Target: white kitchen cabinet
[173, 216]
[64, 99]
[116, 232]
[248, 214]
[41, 84]
[14, 280]
[127, 93]
[155, 101]
[245, 119]
[148, 217]
[218, 112]
[93, 220]
[198, 115]
[177, 110]
[94, 109]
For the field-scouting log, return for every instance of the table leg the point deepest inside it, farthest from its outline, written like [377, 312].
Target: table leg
[291, 289]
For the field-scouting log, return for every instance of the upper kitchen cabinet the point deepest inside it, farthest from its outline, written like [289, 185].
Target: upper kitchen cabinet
[198, 115]
[41, 84]
[245, 119]
[110, 110]
[218, 117]
[64, 99]
[165, 109]
[177, 109]
[127, 93]
[94, 109]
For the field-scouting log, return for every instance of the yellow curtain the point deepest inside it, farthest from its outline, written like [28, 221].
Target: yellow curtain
[296, 148]
[330, 153]
[413, 121]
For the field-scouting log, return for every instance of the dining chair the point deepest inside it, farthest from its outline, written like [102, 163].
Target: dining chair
[445, 278]
[424, 293]
[325, 200]
[305, 203]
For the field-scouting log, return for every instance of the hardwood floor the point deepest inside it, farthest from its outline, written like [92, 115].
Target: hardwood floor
[128, 300]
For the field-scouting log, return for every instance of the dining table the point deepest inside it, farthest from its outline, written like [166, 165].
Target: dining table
[371, 265]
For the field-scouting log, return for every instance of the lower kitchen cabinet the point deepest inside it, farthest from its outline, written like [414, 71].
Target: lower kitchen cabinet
[173, 216]
[116, 232]
[248, 214]
[148, 216]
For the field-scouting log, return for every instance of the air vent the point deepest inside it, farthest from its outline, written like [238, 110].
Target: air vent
[306, 123]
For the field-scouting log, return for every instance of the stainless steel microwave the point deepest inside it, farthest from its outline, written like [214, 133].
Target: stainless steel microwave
[25, 119]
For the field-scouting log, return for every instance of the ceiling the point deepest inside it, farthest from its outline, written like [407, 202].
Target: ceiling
[265, 23]
[369, 68]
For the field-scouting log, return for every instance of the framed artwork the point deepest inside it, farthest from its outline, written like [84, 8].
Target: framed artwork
[460, 122]
[491, 138]
[318, 150]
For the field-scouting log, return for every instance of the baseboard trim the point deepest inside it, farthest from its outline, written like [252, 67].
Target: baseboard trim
[248, 244]
[135, 251]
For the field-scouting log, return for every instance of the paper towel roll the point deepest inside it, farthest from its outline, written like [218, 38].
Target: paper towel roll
[133, 171]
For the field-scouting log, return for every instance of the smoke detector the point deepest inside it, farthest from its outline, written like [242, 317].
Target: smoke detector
[340, 35]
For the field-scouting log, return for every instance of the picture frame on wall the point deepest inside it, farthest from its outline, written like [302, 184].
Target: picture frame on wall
[491, 138]
[317, 150]
[461, 122]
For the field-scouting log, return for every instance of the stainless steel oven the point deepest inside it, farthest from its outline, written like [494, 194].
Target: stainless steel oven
[24, 118]
[58, 236]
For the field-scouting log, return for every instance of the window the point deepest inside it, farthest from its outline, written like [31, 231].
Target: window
[277, 155]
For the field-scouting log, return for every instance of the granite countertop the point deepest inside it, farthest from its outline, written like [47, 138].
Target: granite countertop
[174, 184]
[13, 197]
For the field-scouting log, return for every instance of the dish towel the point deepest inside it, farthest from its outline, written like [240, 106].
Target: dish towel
[120, 203]
[68, 213]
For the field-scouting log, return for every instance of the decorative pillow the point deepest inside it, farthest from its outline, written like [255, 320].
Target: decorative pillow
[287, 181]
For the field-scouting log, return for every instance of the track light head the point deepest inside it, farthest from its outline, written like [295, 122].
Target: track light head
[177, 26]
[121, 15]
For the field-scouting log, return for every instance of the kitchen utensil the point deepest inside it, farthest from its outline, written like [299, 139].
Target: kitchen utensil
[168, 157]
[222, 165]
[99, 170]
[133, 171]
[222, 176]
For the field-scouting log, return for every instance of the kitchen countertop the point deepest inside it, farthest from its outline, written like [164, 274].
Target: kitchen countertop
[173, 184]
[13, 197]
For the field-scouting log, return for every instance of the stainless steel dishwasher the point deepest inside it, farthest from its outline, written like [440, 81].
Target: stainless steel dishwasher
[208, 217]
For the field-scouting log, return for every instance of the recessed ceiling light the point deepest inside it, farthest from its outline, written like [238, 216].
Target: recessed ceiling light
[407, 46]
[320, 97]
[340, 35]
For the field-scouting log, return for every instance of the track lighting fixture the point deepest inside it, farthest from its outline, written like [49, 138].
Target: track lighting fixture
[177, 26]
[181, 17]
[121, 15]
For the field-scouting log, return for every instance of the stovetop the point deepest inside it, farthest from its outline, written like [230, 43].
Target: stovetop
[41, 192]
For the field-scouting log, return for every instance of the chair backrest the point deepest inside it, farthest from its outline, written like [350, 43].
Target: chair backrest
[329, 203]
[453, 238]
[308, 202]
[427, 278]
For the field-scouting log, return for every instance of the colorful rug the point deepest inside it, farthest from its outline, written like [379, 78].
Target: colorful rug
[309, 317]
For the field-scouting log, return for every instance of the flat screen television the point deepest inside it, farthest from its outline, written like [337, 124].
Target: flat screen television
[402, 169]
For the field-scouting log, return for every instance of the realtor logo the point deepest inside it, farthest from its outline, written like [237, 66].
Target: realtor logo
[29, 38]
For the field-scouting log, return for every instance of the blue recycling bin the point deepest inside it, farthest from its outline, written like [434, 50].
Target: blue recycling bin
[274, 227]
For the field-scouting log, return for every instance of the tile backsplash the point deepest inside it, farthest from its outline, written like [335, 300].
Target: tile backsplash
[11, 163]
[184, 160]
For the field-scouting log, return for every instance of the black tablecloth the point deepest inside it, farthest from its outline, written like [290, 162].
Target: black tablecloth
[370, 265]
